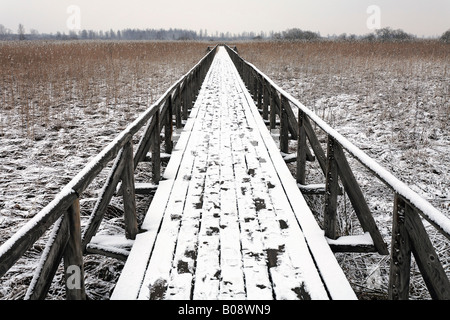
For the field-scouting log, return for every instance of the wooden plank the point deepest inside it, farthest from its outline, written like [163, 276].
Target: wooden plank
[133, 273]
[158, 273]
[182, 271]
[353, 243]
[131, 277]
[155, 283]
[232, 281]
[336, 283]
[107, 251]
[257, 281]
[302, 272]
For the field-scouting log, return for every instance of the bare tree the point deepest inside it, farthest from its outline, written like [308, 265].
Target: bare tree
[445, 36]
[21, 32]
[3, 31]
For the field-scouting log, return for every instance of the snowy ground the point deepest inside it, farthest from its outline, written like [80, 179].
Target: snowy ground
[34, 167]
[396, 110]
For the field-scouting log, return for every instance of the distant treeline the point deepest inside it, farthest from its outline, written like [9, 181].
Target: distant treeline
[384, 34]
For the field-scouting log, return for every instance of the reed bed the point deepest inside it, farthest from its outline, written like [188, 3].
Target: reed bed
[62, 102]
[48, 83]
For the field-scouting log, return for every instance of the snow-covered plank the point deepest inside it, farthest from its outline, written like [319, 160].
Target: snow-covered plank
[183, 266]
[258, 284]
[208, 257]
[130, 281]
[333, 276]
[232, 284]
[229, 225]
[157, 275]
[293, 271]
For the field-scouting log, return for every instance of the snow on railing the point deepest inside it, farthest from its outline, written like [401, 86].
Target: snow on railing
[65, 208]
[408, 232]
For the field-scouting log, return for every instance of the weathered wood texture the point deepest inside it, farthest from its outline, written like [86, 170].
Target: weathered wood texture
[227, 229]
[408, 208]
[66, 239]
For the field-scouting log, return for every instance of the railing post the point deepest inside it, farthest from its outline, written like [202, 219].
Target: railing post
[273, 112]
[301, 149]
[331, 191]
[168, 127]
[73, 256]
[155, 145]
[129, 193]
[284, 125]
[266, 101]
[399, 273]
[260, 90]
[178, 116]
[185, 98]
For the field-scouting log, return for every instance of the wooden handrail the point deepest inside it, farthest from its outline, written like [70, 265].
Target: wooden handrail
[66, 201]
[408, 233]
[426, 209]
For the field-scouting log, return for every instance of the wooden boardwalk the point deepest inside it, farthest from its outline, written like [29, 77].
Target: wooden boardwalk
[227, 220]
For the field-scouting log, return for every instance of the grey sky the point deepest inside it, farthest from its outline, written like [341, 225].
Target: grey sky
[428, 18]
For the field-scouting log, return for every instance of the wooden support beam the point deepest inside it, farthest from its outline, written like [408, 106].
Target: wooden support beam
[73, 256]
[178, 115]
[426, 257]
[315, 145]
[399, 272]
[155, 140]
[50, 260]
[144, 143]
[184, 96]
[302, 149]
[260, 90]
[168, 128]
[104, 199]
[331, 191]
[266, 100]
[273, 109]
[129, 196]
[284, 126]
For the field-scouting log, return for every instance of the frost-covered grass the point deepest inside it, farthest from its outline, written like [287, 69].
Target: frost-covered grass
[392, 100]
[62, 102]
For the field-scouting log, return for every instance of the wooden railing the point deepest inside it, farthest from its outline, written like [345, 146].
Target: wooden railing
[408, 232]
[67, 241]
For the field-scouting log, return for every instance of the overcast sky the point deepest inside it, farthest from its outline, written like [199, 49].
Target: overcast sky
[423, 18]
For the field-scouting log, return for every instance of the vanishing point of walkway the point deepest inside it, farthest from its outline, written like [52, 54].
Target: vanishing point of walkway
[227, 221]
